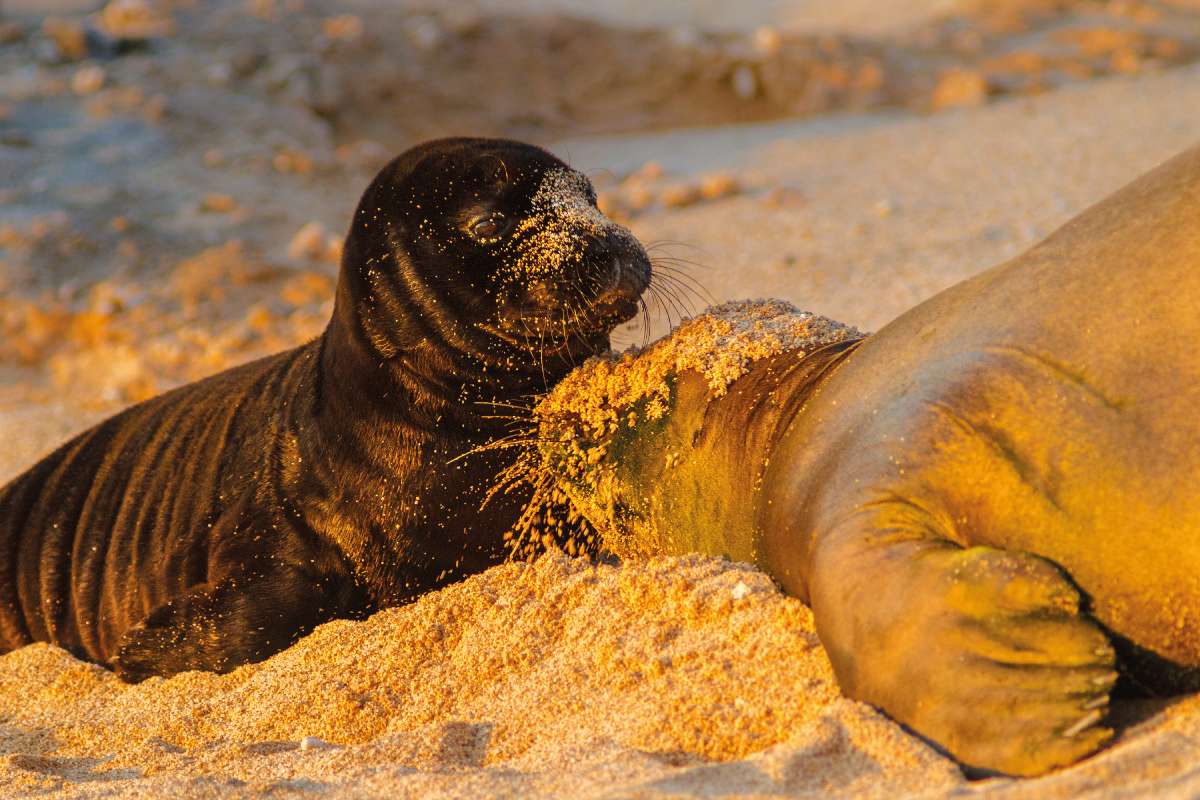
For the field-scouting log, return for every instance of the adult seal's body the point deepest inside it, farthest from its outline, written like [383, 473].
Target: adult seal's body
[216, 524]
[992, 505]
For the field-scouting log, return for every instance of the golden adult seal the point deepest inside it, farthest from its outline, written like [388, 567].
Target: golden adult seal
[992, 504]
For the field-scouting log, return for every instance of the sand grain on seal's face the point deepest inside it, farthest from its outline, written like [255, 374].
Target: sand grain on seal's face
[553, 236]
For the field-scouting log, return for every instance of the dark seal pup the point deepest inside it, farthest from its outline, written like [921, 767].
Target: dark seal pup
[216, 524]
[992, 505]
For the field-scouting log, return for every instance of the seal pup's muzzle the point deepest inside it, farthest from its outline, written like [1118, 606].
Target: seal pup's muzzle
[573, 271]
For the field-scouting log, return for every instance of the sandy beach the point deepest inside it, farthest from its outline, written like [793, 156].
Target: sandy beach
[178, 209]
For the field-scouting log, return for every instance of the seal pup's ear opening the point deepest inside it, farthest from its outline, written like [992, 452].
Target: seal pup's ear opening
[489, 171]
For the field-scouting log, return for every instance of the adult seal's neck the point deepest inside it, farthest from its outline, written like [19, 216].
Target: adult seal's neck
[705, 463]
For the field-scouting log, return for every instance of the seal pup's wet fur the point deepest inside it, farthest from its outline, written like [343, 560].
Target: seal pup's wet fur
[216, 524]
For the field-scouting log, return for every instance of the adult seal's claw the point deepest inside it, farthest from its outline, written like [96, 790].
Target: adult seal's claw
[1086, 722]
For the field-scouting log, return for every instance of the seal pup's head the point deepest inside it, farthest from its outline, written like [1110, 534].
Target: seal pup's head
[487, 256]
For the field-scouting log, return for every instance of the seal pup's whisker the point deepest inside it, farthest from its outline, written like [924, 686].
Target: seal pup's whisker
[645, 320]
[664, 268]
[504, 416]
[502, 404]
[659, 243]
[652, 297]
[668, 303]
[565, 352]
[504, 443]
[680, 291]
[541, 353]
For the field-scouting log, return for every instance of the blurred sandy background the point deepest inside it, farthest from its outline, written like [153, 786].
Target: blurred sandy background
[175, 178]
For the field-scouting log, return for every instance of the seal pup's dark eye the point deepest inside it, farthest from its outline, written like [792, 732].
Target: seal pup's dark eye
[488, 227]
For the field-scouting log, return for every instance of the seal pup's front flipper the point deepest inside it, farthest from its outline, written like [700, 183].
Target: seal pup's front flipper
[983, 651]
[266, 584]
[241, 618]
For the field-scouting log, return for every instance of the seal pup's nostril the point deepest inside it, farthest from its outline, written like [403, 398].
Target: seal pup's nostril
[541, 292]
[616, 267]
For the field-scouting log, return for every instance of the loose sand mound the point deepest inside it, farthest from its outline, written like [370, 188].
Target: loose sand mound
[531, 678]
[668, 677]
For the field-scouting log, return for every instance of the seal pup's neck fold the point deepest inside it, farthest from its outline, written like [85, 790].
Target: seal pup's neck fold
[398, 342]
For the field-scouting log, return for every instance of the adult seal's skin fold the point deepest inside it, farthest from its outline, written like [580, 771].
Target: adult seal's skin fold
[218, 523]
[992, 505]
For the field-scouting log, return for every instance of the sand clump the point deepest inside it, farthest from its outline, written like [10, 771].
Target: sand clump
[719, 343]
[595, 401]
